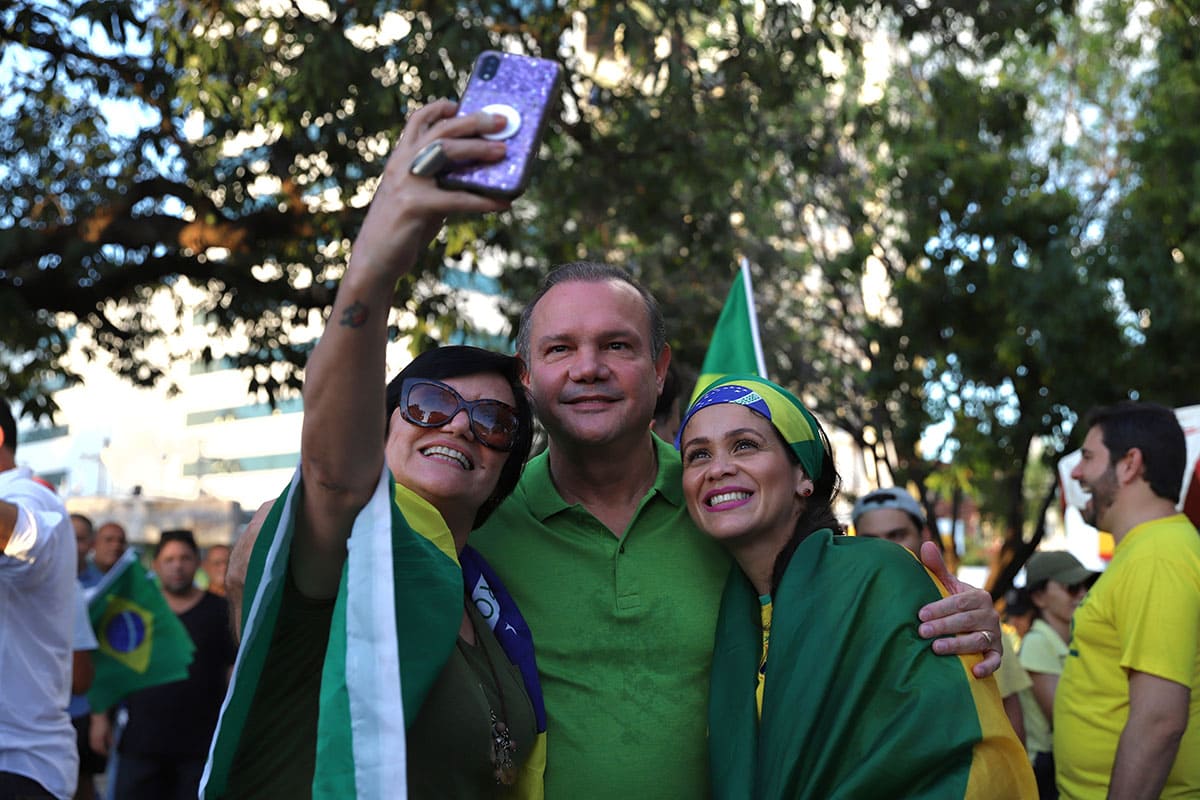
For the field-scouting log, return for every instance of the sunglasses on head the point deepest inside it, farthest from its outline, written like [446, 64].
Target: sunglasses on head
[427, 403]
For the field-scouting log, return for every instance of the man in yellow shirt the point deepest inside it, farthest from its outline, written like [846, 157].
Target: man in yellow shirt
[1131, 682]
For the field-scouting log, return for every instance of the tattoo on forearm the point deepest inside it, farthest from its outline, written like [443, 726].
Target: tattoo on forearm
[355, 316]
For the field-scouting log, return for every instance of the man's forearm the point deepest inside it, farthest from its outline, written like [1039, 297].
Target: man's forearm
[1158, 717]
[1144, 759]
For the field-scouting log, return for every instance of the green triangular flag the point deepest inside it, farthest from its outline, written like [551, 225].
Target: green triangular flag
[735, 346]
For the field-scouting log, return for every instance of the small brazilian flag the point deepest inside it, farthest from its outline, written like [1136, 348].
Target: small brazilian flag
[735, 346]
[141, 641]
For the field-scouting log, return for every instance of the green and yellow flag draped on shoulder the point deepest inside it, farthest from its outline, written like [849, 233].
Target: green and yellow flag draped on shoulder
[395, 621]
[141, 643]
[855, 704]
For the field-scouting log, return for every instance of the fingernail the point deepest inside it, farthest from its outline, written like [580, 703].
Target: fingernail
[925, 630]
[499, 120]
[940, 646]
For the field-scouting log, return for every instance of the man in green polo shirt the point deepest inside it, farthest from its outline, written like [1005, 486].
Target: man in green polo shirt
[597, 548]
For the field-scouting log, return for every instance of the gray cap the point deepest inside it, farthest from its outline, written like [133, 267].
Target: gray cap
[895, 497]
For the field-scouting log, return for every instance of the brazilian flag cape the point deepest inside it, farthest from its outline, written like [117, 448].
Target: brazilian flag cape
[395, 622]
[855, 704]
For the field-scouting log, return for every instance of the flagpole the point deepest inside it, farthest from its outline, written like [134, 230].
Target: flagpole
[749, 286]
[111, 576]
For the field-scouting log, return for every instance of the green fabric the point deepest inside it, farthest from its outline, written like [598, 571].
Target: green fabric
[252, 655]
[280, 726]
[624, 631]
[427, 594]
[278, 754]
[856, 704]
[449, 755]
[141, 642]
[334, 776]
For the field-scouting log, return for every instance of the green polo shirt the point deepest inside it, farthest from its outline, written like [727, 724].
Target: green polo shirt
[623, 630]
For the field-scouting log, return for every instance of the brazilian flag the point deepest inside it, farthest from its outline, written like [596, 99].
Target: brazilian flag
[735, 346]
[141, 641]
[395, 621]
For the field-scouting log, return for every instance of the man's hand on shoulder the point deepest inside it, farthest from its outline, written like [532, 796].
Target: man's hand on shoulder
[963, 623]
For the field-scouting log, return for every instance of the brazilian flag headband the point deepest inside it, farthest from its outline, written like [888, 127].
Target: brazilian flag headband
[781, 408]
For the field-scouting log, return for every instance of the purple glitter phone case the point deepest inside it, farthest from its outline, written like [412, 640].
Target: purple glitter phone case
[523, 89]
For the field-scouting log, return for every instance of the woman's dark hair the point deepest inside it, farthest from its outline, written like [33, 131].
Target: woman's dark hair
[1017, 602]
[455, 361]
[1031, 590]
[818, 511]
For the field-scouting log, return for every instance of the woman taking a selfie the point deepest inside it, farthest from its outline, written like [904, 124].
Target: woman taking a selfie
[821, 687]
[378, 650]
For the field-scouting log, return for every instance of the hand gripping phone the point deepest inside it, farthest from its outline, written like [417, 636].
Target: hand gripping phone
[522, 89]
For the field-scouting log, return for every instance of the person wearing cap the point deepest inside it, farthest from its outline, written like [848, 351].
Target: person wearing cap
[1056, 583]
[1127, 709]
[891, 514]
[818, 687]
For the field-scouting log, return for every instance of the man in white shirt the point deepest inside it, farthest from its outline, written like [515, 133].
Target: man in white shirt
[38, 758]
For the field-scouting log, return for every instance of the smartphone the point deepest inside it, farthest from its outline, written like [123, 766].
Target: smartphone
[524, 90]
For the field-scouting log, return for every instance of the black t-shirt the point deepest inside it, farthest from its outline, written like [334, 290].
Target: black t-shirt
[178, 719]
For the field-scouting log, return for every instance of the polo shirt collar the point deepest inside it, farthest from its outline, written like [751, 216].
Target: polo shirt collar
[669, 482]
[543, 499]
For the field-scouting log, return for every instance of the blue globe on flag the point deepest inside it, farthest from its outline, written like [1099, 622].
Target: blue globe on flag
[125, 631]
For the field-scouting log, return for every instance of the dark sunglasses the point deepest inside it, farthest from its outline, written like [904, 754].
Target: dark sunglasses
[427, 403]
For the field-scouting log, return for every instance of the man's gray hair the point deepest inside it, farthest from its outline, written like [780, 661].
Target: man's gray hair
[592, 272]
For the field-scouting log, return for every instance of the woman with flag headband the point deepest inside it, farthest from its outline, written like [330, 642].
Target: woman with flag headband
[380, 656]
[820, 686]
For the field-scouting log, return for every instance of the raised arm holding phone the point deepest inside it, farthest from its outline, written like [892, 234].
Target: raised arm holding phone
[367, 634]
